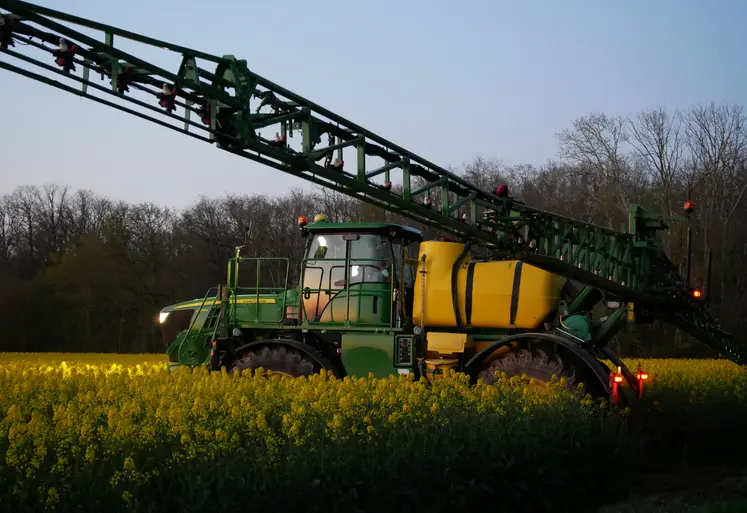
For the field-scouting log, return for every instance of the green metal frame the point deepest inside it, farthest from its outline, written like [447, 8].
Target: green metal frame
[195, 338]
[259, 292]
[628, 264]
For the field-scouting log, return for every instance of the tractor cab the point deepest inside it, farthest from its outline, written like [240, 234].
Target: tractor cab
[357, 273]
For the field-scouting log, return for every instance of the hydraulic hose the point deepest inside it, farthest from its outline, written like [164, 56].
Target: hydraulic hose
[455, 285]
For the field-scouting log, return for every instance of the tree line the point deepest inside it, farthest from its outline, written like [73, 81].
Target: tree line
[81, 272]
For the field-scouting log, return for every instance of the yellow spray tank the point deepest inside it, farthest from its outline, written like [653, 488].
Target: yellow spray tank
[497, 294]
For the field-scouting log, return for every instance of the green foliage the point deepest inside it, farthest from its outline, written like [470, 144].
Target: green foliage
[736, 505]
[119, 433]
[695, 411]
[135, 438]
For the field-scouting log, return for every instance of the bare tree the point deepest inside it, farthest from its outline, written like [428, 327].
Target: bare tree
[23, 206]
[717, 143]
[715, 138]
[486, 174]
[659, 142]
[595, 144]
[8, 232]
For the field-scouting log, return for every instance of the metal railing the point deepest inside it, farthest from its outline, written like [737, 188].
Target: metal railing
[188, 332]
[257, 290]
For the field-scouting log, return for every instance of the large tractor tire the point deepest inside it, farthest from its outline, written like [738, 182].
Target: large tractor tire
[536, 364]
[542, 356]
[281, 360]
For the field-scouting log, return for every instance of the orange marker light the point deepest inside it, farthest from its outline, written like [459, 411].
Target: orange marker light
[689, 207]
[616, 378]
[302, 221]
[696, 293]
[640, 375]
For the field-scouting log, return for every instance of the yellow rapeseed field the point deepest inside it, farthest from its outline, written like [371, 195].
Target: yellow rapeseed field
[120, 433]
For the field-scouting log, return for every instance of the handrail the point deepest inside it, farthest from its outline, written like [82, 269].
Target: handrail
[194, 318]
[233, 286]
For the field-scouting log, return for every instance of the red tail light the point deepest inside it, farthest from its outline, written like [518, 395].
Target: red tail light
[641, 375]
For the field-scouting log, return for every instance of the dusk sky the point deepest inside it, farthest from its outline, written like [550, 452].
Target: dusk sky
[447, 80]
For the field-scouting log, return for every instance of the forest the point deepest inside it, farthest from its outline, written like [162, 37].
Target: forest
[82, 272]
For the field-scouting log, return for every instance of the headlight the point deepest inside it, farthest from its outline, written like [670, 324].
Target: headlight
[163, 316]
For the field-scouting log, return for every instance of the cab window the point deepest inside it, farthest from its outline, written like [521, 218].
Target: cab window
[326, 262]
[371, 259]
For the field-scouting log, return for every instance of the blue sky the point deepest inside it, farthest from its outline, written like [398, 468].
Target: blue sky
[447, 80]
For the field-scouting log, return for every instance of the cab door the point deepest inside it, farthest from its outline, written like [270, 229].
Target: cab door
[323, 273]
[367, 296]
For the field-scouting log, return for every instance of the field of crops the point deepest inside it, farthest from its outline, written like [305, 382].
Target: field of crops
[119, 433]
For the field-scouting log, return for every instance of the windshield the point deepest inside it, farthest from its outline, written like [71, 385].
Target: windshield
[371, 259]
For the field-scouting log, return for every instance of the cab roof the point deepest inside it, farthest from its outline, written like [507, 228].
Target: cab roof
[400, 231]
